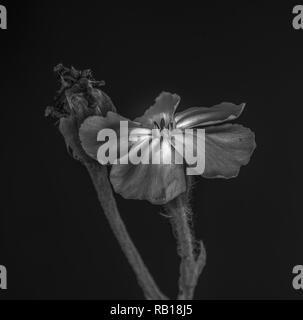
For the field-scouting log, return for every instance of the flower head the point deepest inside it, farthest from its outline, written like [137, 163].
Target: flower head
[227, 146]
[79, 97]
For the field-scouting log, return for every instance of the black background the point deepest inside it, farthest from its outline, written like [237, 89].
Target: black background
[54, 238]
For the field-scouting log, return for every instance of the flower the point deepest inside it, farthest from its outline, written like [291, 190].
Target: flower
[227, 146]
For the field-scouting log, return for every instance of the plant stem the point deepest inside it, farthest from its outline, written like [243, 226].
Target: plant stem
[192, 254]
[103, 188]
[99, 175]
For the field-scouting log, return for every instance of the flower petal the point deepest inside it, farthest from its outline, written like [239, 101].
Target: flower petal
[151, 175]
[157, 183]
[164, 108]
[90, 128]
[201, 116]
[227, 148]
[189, 147]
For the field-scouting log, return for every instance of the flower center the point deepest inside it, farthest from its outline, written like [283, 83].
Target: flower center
[161, 131]
[163, 125]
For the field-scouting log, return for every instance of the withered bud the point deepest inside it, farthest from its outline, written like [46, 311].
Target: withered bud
[80, 95]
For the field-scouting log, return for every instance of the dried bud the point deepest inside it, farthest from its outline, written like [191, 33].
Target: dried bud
[80, 95]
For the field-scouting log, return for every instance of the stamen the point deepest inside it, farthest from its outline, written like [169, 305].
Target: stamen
[162, 124]
[156, 125]
[171, 126]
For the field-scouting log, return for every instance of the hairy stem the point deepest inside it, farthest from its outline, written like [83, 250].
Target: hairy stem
[90, 100]
[192, 253]
[103, 188]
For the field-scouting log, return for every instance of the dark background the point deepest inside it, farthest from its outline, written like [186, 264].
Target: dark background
[54, 238]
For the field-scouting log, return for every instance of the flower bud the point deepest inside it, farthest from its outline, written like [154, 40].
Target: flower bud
[80, 95]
